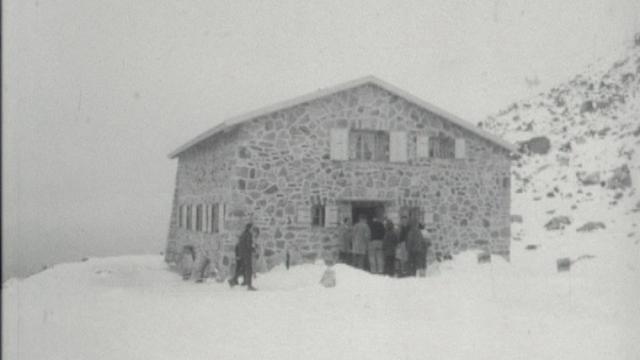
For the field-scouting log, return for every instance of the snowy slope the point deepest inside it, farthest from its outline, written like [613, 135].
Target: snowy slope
[135, 308]
[593, 125]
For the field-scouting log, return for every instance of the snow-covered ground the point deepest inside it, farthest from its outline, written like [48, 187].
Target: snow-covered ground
[135, 308]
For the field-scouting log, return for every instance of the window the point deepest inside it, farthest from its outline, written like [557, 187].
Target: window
[214, 218]
[369, 145]
[189, 217]
[317, 215]
[199, 217]
[442, 147]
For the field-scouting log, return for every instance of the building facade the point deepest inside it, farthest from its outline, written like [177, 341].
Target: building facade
[300, 168]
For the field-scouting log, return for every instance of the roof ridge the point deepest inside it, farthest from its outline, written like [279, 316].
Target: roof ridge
[322, 92]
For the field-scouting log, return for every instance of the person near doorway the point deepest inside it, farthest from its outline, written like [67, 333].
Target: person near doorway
[244, 258]
[346, 239]
[402, 256]
[389, 248]
[416, 248]
[361, 238]
[376, 256]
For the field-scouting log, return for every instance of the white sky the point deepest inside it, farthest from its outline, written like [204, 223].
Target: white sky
[97, 93]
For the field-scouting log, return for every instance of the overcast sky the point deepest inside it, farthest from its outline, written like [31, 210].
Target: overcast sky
[97, 93]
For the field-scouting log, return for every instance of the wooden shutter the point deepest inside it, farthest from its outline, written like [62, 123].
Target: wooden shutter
[304, 215]
[422, 146]
[340, 144]
[330, 216]
[461, 149]
[398, 145]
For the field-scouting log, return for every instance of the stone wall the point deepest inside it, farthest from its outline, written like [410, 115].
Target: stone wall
[276, 164]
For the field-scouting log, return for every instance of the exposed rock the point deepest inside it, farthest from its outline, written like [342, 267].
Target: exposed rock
[566, 147]
[558, 223]
[516, 219]
[531, 247]
[588, 106]
[590, 226]
[588, 179]
[484, 258]
[538, 145]
[563, 264]
[620, 179]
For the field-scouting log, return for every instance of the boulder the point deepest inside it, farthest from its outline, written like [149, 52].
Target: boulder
[620, 179]
[537, 145]
[588, 179]
[591, 226]
[563, 264]
[558, 223]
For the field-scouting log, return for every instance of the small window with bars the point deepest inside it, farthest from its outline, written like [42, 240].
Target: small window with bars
[442, 147]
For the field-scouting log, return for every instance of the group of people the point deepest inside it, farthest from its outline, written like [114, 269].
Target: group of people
[401, 252]
[387, 250]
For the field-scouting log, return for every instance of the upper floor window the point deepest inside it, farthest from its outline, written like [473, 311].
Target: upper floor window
[442, 147]
[369, 145]
[317, 215]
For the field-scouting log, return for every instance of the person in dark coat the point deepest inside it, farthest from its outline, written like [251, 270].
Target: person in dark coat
[376, 255]
[244, 258]
[416, 248]
[389, 248]
[401, 247]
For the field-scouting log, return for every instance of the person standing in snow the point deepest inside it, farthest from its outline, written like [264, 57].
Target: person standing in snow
[401, 248]
[361, 238]
[376, 257]
[244, 258]
[389, 248]
[346, 235]
[416, 248]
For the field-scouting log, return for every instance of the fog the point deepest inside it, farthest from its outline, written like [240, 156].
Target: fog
[97, 93]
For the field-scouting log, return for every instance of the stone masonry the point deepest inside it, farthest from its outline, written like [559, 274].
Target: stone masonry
[272, 168]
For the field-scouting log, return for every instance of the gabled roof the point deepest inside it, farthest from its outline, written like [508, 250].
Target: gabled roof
[229, 123]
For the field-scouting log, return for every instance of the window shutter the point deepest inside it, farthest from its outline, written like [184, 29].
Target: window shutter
[221, 213]
[422, 146]
[330, 216]
[340, 144]
[398, 145]
[461, 151]
[304, 216]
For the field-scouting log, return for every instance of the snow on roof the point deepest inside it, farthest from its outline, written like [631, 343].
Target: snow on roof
[229, 123]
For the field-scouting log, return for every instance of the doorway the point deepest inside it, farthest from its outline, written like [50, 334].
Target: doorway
[369, 209]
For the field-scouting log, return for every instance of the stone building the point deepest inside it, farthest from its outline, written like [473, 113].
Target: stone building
[300, 168]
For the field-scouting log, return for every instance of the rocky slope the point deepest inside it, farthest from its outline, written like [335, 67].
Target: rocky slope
[578, 168]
